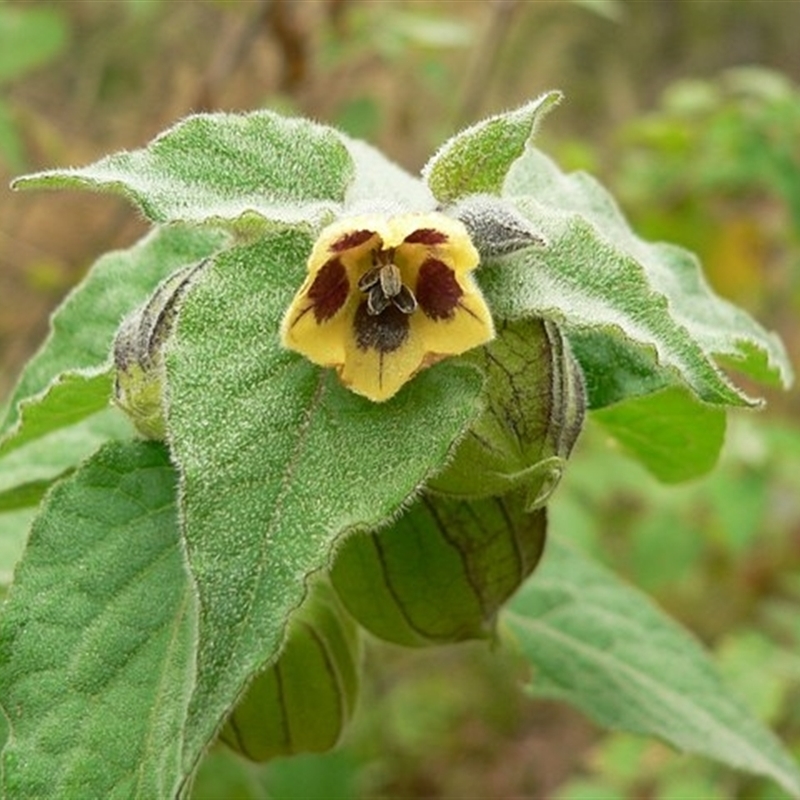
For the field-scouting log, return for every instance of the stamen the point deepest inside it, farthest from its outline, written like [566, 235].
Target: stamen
[377, 301]
[391, 282]
[384, 287]
[405, 301]
[369, 279]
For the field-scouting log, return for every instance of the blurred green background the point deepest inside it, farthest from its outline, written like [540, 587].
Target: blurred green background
[688, 111]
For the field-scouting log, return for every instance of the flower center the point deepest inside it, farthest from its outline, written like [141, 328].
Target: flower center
[383, 285]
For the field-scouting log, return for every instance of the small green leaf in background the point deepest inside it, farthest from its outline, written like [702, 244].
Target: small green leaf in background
[278, 459]
[11, 148]
[604, 647]
[329, 776]
[97, 636]
[669, 432]
[14, 525]
[41, 461]
[633, 372]
[332, 776]
[224, 774]
[223, 168]
[69, 378]
[476, 160]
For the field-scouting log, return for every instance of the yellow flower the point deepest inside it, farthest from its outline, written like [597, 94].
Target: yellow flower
[386, 297]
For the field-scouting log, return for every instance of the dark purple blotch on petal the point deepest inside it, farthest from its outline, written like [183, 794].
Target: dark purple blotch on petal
[384, 332]
[329, 290]
[352, 239]
[429, 236]
[437, 292]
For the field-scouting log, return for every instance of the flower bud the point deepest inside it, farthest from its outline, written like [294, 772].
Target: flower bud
[442, 571]
[495, 227]
[138, 387]
[302, 702]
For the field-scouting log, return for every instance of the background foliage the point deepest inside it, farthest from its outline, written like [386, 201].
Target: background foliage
[687, 111]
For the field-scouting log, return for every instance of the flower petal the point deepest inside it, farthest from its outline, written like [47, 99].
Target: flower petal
[439, 236]
[320, 342]
[381, 353]
[468, 325]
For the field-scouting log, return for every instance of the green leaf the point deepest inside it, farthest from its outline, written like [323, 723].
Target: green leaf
[278, 459]
[70, 398]
[633, 373]
[332, 776]
[224, 773]
[596, 275]
[477, 159]
[25, 495]
[226, 168]
[69, 378]
[672, 434]
[41, 461]
[29, 37]
[604, 647]
[97, 636]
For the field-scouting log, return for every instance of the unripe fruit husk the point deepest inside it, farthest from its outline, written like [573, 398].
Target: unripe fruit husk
[302, 703]
[442, 571]
[535, 406]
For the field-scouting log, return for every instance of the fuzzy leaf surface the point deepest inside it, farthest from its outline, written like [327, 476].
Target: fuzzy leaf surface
[477, 159]
[97, 636]
[225, 168]
[278, 459]
[669, 432]
[603, 646]
[69, 378]
[650, 299]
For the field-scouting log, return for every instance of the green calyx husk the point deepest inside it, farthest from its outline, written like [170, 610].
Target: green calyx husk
[442, 571]
[302, 702]
[535, 405]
